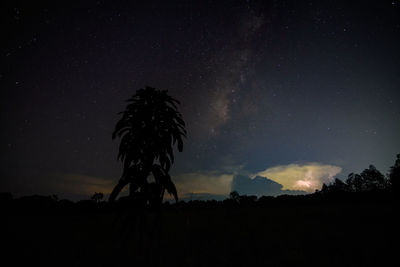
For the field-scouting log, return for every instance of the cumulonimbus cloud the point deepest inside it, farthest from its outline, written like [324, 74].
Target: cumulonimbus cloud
[260, 186]
[307, 177]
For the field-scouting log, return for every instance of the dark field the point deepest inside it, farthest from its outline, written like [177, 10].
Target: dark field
[289, 234]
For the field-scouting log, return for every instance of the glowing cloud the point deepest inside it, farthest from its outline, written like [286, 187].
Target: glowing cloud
[307, 177]
[203, 182]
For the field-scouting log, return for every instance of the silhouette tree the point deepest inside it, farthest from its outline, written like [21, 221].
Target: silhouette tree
[373, 179]
[234, 195]
[97, 197]
[149, 128]
[354, 182]
[394, 175]
[324, 189]
[338, 186]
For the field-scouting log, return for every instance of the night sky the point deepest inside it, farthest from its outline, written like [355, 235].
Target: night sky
[297, 92]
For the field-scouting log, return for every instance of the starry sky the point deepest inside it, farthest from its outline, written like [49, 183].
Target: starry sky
[278, 96]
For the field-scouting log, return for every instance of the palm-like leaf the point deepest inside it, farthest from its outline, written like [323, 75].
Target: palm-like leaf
[149, 128]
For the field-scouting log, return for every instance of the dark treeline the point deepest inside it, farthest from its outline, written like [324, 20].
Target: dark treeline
[346, 223]
[50, 205]
[368, 186]
[369, 180]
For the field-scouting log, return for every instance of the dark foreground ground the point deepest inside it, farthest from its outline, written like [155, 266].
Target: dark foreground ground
[324, 234]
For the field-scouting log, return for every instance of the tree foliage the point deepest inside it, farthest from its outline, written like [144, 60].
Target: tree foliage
[149, 128]
[97, 197]
[394, 174]
[369, 180]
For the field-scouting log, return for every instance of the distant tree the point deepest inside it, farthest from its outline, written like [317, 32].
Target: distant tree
[97, 197]
[149, 128]
[235, 196]
[354, 183]
[394, 175]
[373, 179]
[350, 182]
[338, 186]
[324, 189]
[358, 183]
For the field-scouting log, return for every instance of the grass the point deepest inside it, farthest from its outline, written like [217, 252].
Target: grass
[341, 234]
